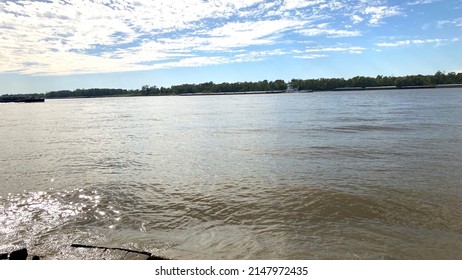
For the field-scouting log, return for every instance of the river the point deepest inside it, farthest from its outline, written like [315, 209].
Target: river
[323, 175]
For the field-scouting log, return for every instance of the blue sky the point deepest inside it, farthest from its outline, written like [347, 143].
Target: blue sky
[57, 44]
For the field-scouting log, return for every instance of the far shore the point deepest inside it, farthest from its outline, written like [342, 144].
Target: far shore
[8, 99]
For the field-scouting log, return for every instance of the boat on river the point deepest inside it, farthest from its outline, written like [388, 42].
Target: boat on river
[16, 99]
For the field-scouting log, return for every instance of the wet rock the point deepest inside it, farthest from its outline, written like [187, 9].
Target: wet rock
[20, 254]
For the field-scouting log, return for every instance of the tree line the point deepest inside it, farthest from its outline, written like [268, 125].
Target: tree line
[439, 78]
[211, 87]
[322, 84]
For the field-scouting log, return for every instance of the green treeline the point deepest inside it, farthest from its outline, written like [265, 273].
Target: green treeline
[439, 78]
[323, 84]
[78, 93]
[211, 87]
[93, 92]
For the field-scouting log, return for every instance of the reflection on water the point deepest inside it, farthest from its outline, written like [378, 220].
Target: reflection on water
[299, 176]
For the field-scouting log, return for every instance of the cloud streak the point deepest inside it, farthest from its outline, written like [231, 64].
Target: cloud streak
[416, 42]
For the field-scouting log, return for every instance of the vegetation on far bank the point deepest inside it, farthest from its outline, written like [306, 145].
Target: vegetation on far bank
[323, 84]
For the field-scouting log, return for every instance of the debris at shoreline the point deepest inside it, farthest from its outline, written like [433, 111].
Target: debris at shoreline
[128, 254]
[101, 253]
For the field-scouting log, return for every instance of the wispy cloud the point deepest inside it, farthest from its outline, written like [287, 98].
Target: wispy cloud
[356, 19]
[416, 42]
[378, 13]
[198, 61]
[453, 22]
[311, 56]
[320, 51]
[324, 30]
[355, 50]
[421, 2]
[243, 34]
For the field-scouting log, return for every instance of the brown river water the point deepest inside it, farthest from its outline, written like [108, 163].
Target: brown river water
[331, 175]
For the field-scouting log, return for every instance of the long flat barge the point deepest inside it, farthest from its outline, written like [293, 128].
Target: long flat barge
[20, 100]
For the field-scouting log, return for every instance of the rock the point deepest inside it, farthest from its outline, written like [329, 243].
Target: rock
[4, 256]
[20, 254]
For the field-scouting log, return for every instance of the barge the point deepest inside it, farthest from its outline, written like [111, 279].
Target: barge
[16, 99]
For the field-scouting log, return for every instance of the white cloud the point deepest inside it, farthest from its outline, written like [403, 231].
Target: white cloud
[378, 13]
[93, 36]
[454, 22]
[69, 63]
[320, 52]
[225, 39]
[193, 62]
[238, 34]
[353, 50]
[88, 36]
[356, 19]
[421, 2]
[324, 30]
[311, 56]
[198, 61]
[297, 4]
[415, 42]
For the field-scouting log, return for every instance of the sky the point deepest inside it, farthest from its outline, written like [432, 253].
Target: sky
[69, 44]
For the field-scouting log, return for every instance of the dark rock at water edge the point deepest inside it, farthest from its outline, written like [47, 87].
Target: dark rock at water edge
[20, 254]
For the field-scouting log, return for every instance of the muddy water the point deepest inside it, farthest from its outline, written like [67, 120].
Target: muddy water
[333, 175]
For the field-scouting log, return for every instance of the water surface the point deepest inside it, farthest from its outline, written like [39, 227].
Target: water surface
[332, 175]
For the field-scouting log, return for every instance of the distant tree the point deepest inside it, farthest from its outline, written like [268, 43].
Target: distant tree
[439, 78]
